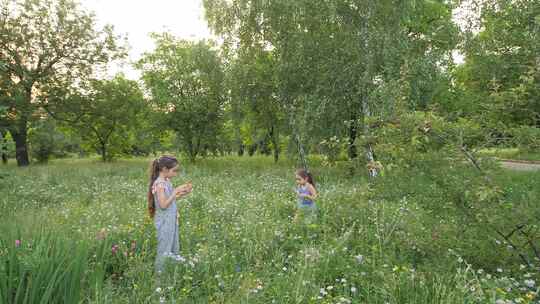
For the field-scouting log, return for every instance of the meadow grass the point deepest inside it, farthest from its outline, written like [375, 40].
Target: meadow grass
[76, 231]
[511, 153]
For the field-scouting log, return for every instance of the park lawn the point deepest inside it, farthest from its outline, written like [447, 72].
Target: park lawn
[511, 153]
[241, 241]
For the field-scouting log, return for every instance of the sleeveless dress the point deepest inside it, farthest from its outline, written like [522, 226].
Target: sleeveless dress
[304, 202]
[166, 225]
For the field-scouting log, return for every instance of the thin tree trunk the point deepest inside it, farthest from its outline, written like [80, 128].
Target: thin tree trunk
[366, 82]
[274, 137]
[296, 135]
[368, 149]
[3, 147]
[301, 151]
[103, 150]
[241, 149]
[237, 133]
[353, 130]
[238, 140]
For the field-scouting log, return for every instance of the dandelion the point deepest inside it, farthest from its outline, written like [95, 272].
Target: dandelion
[529, 283]
[179, 258]
[343, 300]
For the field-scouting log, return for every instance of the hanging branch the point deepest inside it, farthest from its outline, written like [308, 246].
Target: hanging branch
[290, 107]
[372, 167]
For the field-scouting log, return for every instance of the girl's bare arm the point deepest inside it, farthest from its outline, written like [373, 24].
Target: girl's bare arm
[163, 200]
[312, 191]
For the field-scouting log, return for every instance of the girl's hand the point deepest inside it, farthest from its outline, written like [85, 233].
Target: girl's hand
[184, 189]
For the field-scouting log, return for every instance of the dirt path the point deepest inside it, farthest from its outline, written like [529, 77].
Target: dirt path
[520, 165]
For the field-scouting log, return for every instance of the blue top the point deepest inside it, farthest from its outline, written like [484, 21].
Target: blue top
[304, 200]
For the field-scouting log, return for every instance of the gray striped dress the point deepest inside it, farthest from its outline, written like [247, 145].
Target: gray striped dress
[166, 226]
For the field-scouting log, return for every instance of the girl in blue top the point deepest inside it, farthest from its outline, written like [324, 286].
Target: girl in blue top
[306, 191]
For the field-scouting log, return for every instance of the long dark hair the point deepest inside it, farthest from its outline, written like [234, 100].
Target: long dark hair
[157, 164]
[303, 173]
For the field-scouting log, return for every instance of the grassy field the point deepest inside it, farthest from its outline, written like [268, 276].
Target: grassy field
[511, 153]
[76, 231]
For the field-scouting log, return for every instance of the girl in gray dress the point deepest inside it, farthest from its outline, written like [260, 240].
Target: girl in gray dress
[162, 207]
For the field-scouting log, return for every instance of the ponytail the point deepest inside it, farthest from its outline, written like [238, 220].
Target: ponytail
[154, 173]
[310, 179]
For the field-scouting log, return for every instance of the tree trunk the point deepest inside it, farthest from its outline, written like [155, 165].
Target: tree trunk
[253, 148]
[19, 134]
[367, 81]
[103, 150]
[3, 147]
[296, 135]
[238, 140]
[368, 149]
[274, 137]
[353, 130]
[241, 149]
[301, 151]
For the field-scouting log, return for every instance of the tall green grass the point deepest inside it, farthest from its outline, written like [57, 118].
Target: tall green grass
[43, 268]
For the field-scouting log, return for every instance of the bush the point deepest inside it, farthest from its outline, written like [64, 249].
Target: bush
[527, 138]
[46, 140]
